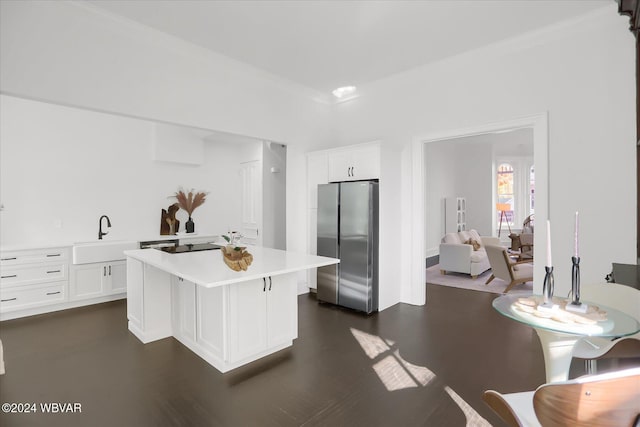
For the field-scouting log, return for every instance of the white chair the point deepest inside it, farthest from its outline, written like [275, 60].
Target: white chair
[503, 268]
[623, 298]
[611, 399]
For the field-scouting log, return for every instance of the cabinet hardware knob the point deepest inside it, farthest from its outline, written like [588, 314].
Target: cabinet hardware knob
[9, 277]
[264, 281]
[8, 299]
[52, 255]
[269, 282]
[8, 259]
[53, 293]
[53, 271]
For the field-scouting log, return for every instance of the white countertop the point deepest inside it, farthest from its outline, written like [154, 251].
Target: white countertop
[206, 268]
[107, 240]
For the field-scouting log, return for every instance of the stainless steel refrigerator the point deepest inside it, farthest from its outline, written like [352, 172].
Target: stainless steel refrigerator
[348, 230]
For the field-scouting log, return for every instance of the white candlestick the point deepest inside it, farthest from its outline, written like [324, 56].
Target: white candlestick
[576, 252]
[549, 244]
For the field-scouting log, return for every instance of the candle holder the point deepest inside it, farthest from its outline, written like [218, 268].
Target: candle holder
[575, 304]
[547, 291]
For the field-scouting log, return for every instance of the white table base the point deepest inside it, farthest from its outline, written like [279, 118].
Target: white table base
[558, 352]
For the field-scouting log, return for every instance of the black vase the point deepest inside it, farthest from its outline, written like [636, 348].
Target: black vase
[190, 226]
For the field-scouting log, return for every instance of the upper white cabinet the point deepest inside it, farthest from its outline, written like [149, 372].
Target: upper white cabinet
[354, 163]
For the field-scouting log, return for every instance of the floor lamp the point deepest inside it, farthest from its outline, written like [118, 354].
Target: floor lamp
[502, 207]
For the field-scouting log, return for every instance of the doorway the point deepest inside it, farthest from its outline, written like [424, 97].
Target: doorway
[539, 127]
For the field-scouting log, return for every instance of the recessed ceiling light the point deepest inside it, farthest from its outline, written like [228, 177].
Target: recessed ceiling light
[341, 92]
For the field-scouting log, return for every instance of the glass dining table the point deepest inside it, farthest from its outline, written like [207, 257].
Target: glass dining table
[559, 337]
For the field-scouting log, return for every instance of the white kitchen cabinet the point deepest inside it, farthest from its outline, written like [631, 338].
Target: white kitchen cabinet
[33, 278]
[184, 307]
[263, 314]
[118, 277]
[229, 325]
[282, 310]
[211, 318]
[32, 296]
[354, 163]
[247, 328]
[239, 317]
[98, 279]
[149, 302]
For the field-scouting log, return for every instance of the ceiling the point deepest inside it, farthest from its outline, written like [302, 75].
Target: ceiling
[326, 44]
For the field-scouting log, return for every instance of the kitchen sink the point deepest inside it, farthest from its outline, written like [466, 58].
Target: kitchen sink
[101, 250]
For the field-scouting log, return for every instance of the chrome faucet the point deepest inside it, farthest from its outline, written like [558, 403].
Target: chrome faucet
[100, 232]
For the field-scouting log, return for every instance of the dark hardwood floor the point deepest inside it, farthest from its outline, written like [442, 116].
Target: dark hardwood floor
[419, 361]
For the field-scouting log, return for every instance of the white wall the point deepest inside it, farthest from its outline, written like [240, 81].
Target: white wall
[440, 179]
[61, 168]
[474, 181]
[582, 74]
[460, 167]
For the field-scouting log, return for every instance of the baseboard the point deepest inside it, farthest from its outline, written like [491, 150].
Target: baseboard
[433, 260]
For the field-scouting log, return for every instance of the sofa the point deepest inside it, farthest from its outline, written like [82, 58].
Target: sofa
[463, 252]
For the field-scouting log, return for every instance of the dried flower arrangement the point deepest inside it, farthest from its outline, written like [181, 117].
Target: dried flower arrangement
[189, 201]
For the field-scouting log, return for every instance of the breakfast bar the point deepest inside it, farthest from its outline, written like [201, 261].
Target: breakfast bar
[228, 318]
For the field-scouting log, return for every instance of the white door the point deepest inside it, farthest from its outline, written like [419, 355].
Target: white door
[118, 276]
[251, 175]
[282, 309]
[247, 327]
[88, 281]
[340, 163]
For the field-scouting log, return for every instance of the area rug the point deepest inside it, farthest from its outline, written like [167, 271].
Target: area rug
[464, 281]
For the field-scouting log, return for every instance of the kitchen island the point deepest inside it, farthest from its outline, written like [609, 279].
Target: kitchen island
[226, 317]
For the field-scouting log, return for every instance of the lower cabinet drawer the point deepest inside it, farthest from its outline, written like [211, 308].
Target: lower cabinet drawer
[38, 273]
[32, 296]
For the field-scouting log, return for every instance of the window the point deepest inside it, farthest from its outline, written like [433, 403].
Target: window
[515, 191]
[505, 193]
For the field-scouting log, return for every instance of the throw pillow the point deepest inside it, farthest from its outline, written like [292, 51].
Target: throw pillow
[476, 245]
